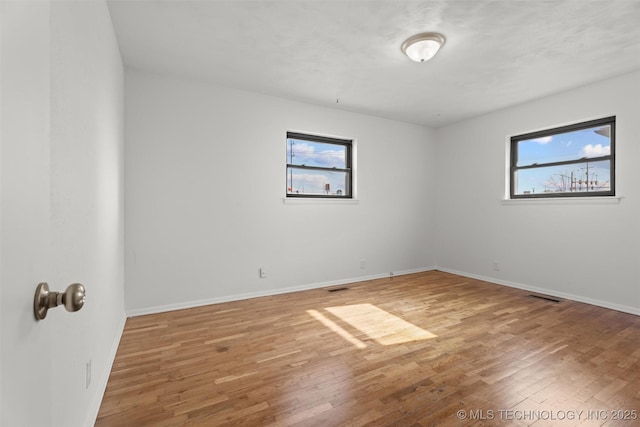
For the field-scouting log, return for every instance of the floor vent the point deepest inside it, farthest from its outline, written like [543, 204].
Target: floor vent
[337, 289]
[545, 298]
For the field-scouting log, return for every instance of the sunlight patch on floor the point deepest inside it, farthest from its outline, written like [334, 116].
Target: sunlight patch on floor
[380, 325]
[336, 328]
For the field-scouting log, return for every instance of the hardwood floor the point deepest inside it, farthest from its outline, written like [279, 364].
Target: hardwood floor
[422, 349]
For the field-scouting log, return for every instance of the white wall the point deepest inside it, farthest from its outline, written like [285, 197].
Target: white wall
[62, 207]
[205, 171]
[589, 252]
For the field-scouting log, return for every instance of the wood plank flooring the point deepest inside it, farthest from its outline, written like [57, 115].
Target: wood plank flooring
[416, 350]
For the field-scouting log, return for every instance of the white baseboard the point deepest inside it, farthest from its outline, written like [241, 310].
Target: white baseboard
[101, 385]
[551, 292]
[267, 292]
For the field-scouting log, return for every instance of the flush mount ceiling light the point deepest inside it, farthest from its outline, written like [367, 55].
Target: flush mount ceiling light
[423, 46]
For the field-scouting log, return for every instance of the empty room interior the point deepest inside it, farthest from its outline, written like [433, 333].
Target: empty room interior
[302, 213]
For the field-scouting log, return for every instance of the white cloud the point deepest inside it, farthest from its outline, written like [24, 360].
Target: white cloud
[302, 150]
[543, 140]
[306, 154]
[597, 150]
[315, 181]
[332, 158]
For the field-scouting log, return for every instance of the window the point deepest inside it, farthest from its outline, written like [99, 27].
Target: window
[319, 166]
[569, 161]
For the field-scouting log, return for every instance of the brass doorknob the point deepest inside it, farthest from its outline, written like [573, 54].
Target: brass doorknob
[72, 298]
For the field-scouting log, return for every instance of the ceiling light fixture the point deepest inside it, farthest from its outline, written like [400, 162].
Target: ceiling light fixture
[423, 46]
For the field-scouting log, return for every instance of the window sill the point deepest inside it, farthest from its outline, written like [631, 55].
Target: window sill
[318, 201]
[604, 200]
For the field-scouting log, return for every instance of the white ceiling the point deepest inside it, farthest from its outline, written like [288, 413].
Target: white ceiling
[498, 53]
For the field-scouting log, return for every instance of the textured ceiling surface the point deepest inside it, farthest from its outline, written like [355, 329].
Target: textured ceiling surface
[498, 53]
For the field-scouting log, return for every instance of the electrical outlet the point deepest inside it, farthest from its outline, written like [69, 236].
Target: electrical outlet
[263, 273]
[363, 263]
[391, 275]
[496, 266]
[88, 374]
